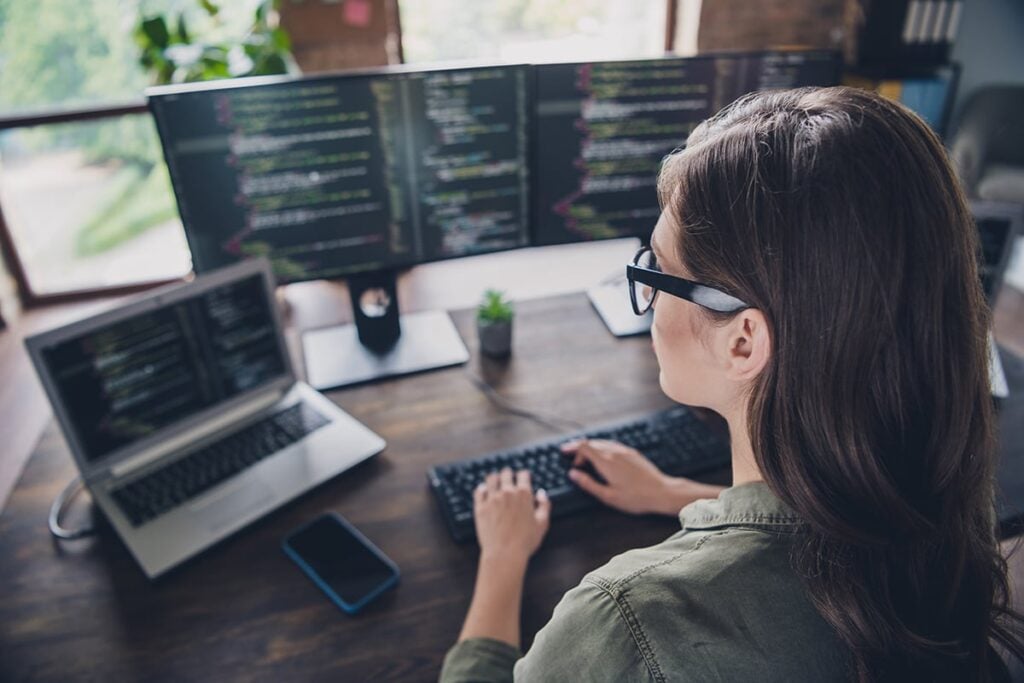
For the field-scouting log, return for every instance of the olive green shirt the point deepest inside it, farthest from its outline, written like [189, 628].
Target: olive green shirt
[717, 601]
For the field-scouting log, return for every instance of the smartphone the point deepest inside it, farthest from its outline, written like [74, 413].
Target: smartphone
[341, 561]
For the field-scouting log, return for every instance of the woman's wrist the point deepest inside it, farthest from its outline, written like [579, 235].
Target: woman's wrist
[503, 561]
[494, 610]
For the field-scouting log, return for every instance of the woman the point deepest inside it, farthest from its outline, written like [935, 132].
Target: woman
[857, 541]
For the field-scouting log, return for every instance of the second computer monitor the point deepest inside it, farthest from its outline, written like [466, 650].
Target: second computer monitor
[603, 128]
[333, 175]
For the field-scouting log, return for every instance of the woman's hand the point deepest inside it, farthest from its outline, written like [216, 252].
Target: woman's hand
[510, 525]
[510, 520]
[632, 483]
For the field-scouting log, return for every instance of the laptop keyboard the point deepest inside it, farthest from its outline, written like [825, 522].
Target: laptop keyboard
[186, 478]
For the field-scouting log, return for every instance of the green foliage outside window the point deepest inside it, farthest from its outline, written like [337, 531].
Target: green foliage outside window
[65, 53]
[171, 53]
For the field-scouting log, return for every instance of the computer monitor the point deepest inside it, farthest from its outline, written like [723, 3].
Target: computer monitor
[603, 128]
[353, 175]
[332, 175]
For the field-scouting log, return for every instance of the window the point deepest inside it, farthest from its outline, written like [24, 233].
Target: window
[88, 203]
[532, 30]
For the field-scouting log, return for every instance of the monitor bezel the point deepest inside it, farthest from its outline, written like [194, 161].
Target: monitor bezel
[92, 468]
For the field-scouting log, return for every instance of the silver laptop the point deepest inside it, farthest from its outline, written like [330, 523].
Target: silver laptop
[184, 416]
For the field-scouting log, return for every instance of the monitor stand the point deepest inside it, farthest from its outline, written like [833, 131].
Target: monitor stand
[381, 343]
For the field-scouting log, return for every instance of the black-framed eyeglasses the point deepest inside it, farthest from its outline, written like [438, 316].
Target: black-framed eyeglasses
[646, 280]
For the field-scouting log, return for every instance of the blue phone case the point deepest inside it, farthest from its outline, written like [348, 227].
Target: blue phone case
[348, 607]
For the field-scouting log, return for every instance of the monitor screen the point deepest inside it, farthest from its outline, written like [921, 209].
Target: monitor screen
[603, 128]
[128, 379]
[332, 175]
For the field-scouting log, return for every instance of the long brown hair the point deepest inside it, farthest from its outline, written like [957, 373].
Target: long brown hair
[836, 213]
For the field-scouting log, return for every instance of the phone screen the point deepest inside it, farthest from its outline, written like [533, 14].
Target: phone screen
[340, 559]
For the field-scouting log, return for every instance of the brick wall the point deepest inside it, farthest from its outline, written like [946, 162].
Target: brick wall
[328, 35]
[762, 24]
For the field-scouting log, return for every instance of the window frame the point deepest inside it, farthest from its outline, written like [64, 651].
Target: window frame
[28, 297]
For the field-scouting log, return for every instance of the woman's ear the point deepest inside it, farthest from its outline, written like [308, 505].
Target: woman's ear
[748, 345]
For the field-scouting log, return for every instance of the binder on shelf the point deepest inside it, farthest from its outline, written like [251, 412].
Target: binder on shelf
[903, 36]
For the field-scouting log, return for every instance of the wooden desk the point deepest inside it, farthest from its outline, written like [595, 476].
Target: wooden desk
[83, 610]
[242, 611]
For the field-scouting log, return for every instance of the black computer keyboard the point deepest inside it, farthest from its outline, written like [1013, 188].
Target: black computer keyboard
[187, 477]
[675, 440]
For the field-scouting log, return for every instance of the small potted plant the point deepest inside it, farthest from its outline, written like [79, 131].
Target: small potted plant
[494, 324]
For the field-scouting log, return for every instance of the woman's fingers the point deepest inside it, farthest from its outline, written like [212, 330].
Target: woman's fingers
[581, 456]
[600, 454]
[582, 451]
[586, 482]
[507, 480]
[569, 447]
[543, 510]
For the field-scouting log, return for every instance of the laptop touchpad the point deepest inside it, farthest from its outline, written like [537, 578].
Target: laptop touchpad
[233, 503]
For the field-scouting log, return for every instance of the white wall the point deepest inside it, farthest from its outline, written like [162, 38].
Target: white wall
[989, 46]
[990, 49]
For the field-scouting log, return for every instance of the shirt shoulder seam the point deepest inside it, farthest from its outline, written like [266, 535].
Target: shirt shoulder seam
[618, 583]
[765, 518]
[633, 626]
[778, 529]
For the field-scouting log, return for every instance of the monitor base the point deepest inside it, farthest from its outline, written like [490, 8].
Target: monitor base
[611, 301]
[336, 358]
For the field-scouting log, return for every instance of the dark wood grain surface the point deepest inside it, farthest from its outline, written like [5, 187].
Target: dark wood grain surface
[242, 611]
[84, 611]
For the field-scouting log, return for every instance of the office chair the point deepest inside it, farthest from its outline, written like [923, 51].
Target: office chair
[988, 145]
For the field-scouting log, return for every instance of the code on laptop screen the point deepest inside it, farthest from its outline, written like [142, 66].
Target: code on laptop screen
[133, 377]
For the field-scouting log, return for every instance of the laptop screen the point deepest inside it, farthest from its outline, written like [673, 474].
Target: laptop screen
[125, 381]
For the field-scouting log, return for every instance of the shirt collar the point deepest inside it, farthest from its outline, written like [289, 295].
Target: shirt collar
[750, 504]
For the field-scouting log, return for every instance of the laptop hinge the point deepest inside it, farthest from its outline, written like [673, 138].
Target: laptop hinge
[198, 433]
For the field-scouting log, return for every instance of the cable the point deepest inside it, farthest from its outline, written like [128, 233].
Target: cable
[59, 507]
[550, 421]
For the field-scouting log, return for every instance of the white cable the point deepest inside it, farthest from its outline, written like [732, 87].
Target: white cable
[59, 507]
